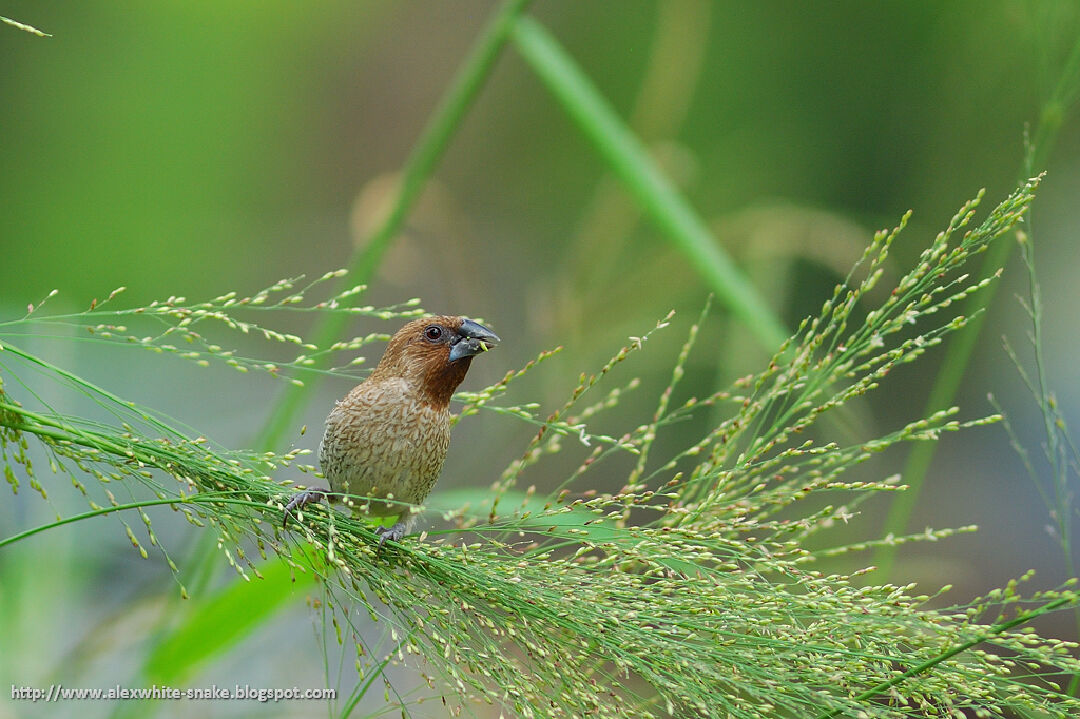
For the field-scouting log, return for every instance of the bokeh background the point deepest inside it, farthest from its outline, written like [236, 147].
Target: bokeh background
[192, 148]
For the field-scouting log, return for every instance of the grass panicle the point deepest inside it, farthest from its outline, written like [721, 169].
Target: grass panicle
[188, 329]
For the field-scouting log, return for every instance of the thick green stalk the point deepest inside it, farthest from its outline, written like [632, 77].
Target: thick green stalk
[960, 349]
[418, 168]
[653, 191]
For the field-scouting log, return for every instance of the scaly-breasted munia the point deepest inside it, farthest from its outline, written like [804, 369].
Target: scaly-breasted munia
[388, 438]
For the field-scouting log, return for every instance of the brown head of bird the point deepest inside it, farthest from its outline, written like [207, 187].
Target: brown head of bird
[433, 355]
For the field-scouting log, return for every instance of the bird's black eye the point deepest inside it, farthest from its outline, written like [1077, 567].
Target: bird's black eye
[433, 333]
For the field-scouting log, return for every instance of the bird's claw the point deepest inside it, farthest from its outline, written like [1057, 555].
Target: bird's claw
[301, 500]
[394, 533]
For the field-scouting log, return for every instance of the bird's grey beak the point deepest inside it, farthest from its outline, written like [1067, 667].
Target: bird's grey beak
[473, 338]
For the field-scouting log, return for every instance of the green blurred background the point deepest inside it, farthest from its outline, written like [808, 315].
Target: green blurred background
[191, 148]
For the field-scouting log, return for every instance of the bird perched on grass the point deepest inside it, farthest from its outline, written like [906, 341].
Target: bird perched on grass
[388, 438]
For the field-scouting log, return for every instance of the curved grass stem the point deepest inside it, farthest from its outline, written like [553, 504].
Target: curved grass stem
[418, 168]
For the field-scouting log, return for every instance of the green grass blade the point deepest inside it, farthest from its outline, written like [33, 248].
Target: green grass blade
[653, 191]
[219, 623]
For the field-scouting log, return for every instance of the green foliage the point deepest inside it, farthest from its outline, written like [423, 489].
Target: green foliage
[692, 591]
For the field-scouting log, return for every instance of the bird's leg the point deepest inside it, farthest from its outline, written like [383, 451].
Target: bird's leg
[400, 529]
[302, 499]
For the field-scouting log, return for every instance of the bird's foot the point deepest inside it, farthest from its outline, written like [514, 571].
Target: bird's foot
[301, 500]
[394, 533]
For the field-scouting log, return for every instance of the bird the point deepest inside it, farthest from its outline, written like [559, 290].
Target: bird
[385, 442]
